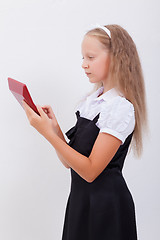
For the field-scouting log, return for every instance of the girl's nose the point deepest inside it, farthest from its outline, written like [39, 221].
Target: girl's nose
[84, 65]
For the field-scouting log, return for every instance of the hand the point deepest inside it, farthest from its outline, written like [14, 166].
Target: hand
[48, 110]
[44, 123]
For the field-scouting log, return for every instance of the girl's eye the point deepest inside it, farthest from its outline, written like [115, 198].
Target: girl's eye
[88, 57]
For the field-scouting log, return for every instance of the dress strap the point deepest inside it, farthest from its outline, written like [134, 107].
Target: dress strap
[77, 113]
[95, 119]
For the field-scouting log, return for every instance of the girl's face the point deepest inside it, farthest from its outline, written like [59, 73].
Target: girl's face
[96, 60]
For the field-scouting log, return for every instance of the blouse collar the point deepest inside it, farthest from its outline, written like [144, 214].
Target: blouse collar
[105, 96]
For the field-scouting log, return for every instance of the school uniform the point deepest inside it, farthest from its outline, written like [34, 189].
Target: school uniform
[104, 208]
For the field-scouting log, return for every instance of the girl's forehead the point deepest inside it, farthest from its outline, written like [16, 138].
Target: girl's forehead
[91, 43]
[90, 40]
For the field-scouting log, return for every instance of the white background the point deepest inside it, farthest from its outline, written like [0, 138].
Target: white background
[40, 45]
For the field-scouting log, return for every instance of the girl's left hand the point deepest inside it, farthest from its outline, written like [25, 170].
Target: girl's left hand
[42, 123]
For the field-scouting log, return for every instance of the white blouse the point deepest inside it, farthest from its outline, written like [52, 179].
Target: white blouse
[117, 114]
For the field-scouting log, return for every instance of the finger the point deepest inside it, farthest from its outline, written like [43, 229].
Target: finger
[24, 103]
[46, 111]
[47, 108]
[29, 111]
[26, 107]
[40, 110]
[49, 111]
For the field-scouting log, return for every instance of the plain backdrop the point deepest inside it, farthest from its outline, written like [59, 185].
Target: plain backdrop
[40, 45]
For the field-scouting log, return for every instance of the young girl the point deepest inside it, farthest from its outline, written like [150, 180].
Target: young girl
[100, 205]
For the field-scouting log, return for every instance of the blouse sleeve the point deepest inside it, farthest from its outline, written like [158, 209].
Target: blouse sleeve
[117, 118]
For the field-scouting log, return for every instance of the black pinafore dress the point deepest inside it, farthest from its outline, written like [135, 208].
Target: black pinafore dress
[103, 209]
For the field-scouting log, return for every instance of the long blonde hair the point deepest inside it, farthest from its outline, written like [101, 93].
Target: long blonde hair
[126, 74]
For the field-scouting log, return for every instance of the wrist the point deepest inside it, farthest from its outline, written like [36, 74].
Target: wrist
[57, 129]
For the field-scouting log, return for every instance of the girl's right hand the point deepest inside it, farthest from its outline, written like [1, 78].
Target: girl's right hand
[48, 110]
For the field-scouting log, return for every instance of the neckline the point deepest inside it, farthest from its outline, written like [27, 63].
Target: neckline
[112, 92]
[99, 95]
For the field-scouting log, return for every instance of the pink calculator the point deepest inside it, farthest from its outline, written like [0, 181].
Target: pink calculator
[20, 91]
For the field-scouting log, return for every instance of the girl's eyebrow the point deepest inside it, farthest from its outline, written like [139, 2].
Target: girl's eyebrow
[89, 52]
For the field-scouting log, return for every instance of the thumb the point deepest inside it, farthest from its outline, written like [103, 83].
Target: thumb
[40, 110]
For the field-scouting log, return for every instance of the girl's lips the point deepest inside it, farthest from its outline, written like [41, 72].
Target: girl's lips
[87, 73]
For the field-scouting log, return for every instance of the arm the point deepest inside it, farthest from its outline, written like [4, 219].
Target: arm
[60, 134]
[90, 167]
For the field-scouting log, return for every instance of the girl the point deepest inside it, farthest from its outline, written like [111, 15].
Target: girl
[100, 205]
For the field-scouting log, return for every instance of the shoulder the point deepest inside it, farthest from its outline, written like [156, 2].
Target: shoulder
[118, 105]
[123, 105]
[117, 117]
